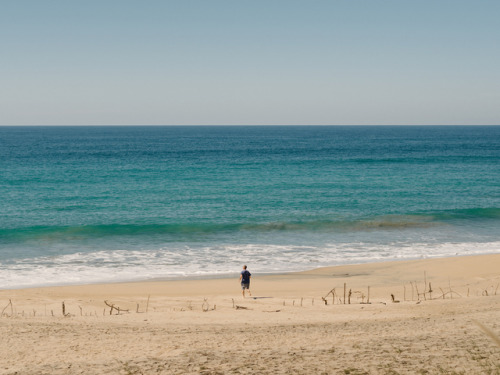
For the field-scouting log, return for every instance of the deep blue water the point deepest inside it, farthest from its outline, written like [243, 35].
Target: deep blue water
[91, 204]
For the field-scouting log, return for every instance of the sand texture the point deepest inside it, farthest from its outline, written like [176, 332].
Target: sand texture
[207, 327]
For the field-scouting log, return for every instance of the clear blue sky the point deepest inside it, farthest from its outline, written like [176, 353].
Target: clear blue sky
[249, 62]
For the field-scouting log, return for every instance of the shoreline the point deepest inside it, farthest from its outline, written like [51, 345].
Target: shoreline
[234, 275]
[293, 323]
[382, 275]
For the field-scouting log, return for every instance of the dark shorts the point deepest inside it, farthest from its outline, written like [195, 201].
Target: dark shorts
[245, 285]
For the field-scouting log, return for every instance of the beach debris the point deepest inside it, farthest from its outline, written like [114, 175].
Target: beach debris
[450, 293]
[418, 293]
[5, 308]
[363, 296]
[271, 311]
[113, 307]
[414, 288]
[347, 294]
[147, 307]
[64, 310]
[333, 293]
[242, 308]
[425, 283]
[394, 300]
[206, 307]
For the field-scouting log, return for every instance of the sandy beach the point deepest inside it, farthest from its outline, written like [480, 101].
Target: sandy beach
[298, 323]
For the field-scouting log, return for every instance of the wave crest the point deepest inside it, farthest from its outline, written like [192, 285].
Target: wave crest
[179, 231]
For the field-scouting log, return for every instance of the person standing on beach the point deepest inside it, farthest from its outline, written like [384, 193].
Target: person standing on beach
[245, 281]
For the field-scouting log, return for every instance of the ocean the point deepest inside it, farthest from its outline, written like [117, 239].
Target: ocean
[85, 205]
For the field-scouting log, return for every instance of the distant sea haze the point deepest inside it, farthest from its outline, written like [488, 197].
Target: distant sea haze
[108, 204]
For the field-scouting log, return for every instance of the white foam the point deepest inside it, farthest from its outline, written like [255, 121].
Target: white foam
[180, 262]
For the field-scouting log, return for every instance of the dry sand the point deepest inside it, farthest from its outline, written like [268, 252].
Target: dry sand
[197, 327]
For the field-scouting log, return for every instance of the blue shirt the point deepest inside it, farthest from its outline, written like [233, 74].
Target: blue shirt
[245, 277]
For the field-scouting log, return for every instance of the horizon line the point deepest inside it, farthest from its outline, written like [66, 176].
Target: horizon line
[229, 125]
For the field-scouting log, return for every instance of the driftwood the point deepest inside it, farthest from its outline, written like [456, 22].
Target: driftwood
[206, 307]
[113, 307]
[347, 294]
[5, 308]
[450, 292]
[414, 288]
[137, 307]
[333, 293]
[394, 300]
[64, 310]
[418, 293]
[362, 296]
[242, 308]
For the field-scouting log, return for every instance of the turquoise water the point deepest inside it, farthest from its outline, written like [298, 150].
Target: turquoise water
[94, 204]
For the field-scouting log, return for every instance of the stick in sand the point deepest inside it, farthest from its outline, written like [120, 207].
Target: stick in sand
[9, 304]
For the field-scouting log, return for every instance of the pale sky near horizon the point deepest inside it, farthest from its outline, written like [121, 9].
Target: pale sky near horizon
[249, 62]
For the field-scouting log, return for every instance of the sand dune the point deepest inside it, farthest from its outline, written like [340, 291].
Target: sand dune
[206, 327]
